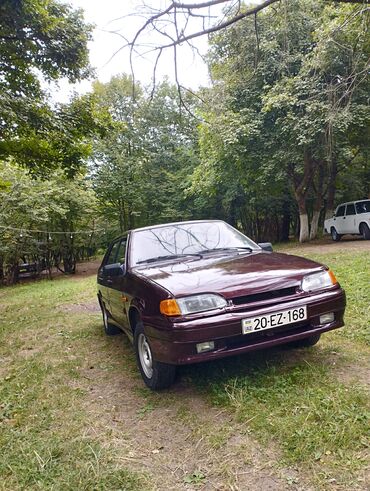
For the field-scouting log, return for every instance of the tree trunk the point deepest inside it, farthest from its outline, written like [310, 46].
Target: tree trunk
[285, 226]
[318, 202]
[11, 274]
[331, 190]
[304, 235]
[314, 224]
[301, 187]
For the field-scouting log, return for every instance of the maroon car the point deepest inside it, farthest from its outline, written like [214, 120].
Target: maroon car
[194, 291]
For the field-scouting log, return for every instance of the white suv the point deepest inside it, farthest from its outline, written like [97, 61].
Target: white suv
[350, 218]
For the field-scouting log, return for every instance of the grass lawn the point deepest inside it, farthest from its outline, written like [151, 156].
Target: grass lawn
[45, 442]
[310, 406]
[313, 402]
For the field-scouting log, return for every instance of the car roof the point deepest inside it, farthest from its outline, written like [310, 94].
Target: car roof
[355, 201]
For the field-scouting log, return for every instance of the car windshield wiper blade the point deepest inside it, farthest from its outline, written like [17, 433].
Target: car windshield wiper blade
[169, 256]
[205, 251]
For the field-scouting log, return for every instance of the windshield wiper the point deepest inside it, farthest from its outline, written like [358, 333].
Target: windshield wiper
[169, 256]
[205, 251]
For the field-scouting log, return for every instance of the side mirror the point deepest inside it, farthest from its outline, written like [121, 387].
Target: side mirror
[266, 246]
[115, 269]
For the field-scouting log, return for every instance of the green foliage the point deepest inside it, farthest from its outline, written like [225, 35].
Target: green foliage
[59, 205]
[196, 478]
[43, 39]
[142, 165]
[44, 34]
[59, 138]
[287, 113]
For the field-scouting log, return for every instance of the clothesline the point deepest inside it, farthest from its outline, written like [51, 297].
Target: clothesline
[51, 232]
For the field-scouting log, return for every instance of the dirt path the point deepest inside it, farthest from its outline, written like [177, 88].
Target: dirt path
[179, 440]
[327, 246]
[176, 437]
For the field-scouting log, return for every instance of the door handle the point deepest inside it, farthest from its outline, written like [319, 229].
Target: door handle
[109, 281]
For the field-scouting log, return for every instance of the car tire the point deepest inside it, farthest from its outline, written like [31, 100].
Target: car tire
[307, 342]
[334, 235]
[365, 231]
[109, 329]
[155, 374]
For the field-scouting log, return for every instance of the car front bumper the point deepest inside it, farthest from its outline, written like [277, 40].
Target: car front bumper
[177, 345]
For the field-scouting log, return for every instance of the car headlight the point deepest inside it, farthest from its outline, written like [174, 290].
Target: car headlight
[192, 304]
[317, 281]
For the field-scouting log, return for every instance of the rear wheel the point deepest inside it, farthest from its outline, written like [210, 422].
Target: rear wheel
[365, 231]
[155, 374]
[109, 329]
[334, 235]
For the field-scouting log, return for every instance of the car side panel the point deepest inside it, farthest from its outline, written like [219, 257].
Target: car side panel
[103, 290]
[349, 223]
[340, 224]
[120, 300]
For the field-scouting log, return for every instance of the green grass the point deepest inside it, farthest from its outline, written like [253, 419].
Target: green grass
[45, 440]
[309, 405]
[294, 397]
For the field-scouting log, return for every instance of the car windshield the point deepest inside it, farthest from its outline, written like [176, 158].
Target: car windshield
[363, 206]
[178, 240]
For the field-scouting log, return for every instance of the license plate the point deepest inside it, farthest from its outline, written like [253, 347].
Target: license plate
[276, 319]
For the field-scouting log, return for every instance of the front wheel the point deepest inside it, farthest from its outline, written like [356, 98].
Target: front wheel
[155, 374]
[365, 231]
[334, 235]
[306, 342]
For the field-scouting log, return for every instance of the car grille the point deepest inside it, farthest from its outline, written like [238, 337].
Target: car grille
[270, 295]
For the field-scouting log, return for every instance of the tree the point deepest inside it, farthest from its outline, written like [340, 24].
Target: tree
[142, 166]
[45, 222]
[177, 23]
[38, 38]
[273, 119]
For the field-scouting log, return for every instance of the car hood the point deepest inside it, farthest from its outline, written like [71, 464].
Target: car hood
[231, 275]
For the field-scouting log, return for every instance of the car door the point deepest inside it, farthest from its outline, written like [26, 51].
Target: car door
[340, 219]
[350, 219]
[105, 280]
[118, 288]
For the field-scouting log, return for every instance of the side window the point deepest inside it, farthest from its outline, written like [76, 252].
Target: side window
[340, 211]
[363, 207]
[350, 210]
[112, 255]
[122, 251]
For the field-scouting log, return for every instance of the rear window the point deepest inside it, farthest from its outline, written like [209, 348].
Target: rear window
[350, 210]
[363, 206]
[340, 211]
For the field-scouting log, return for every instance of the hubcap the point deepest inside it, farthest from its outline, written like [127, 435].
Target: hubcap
[145, 356]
